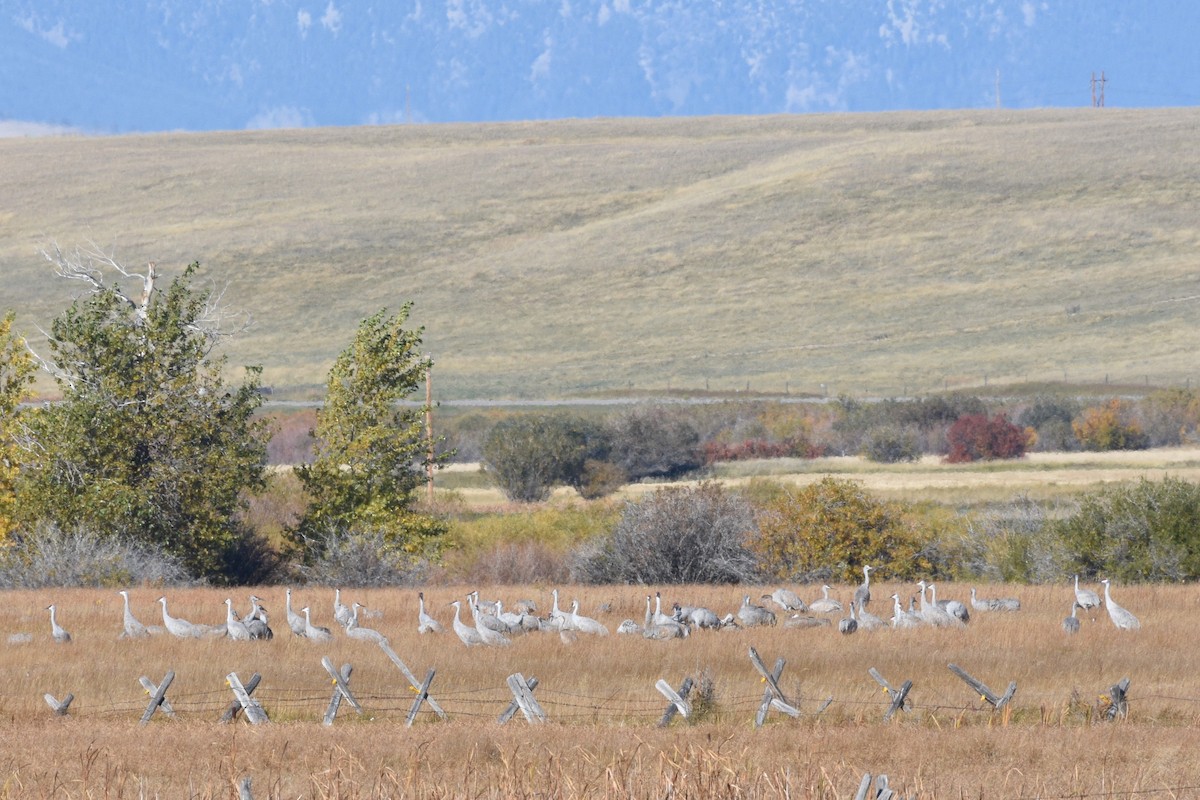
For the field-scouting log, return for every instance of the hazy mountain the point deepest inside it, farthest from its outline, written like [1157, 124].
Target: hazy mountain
[150, 65]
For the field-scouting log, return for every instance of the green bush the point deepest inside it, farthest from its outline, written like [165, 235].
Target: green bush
[1148, 531]
[655, 442]
[891, 445]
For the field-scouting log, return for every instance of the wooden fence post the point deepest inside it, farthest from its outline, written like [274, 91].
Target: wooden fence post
[59, 707]
[254, 710]
[422, 696]
[514, 706]
[235, 707]
[412, 679]
[997, 702]
[1117, 704]
[678, 701]
[158, 696]
[341, 688]
[772, 695]
[524, 698]
[897, 696]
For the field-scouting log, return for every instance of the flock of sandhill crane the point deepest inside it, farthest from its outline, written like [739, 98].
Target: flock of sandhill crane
[490, 624]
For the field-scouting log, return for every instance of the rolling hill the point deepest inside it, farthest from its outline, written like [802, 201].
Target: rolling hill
[869, 254]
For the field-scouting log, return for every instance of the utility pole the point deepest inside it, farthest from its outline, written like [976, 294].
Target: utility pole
[1098, 100]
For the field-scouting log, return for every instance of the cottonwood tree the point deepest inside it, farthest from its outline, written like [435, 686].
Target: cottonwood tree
[371, 452]
[149, 441]
[16, 375]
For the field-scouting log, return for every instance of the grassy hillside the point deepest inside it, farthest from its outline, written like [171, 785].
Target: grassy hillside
[866, 254]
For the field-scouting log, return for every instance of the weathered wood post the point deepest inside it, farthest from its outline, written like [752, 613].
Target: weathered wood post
[254, 710]
[514, 706]
[422, 696]
[411, 678]
[897, 696]
[677, 701]
[59, 707]
[158, 696]
[997, 702]
[524, 697]
[772, 696]
[341, 688]
[1118, 706]
[235, 707]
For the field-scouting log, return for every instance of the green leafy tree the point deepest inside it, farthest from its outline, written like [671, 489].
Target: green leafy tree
[16, 375]
[829, 529]
[149, 442]
[372, 452]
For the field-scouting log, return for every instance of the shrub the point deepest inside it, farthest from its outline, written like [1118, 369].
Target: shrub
[291, 439]
[974, 437]
[1110, 427]
[1140, 532]
[364, 559]
[50, 556]
[891, 445]
[1012, 542]
[527, 456]
[829, 529]
[1051, 418]
[675, 535]
[1171, 416]
[655, 441]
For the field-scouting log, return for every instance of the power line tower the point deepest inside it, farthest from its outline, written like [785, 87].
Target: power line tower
[1098, 99]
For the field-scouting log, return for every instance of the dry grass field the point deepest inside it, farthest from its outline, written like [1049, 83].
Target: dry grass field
[866, 254]
[601, 739]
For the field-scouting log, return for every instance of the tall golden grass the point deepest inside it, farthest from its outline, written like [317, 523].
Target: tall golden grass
[602, 739]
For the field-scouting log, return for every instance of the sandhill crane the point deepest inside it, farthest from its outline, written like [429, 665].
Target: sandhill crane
[294, 620]
[234, 628]
[364, 634]
[425, 623]
[902, 618]
[557, 619]
[1121, 617]
[486, 619]
[341, 612]
[133, 628]
[629, 627]
[489, 635]
[256, 621]
[517, 621]
[934, 614]
[750, 615]
[786, 599]
[866, 620]
[57, 631]
[1071, 623]
[576, 622]
[466, 633]
[1086, 598]
[862, 595]
[804, 621]
[316, 633]
[953, 607]
[994, 604]
[825, 604]
[181, 627]
[665, 631]
[848, 625]
[698, 617]
[659, 617]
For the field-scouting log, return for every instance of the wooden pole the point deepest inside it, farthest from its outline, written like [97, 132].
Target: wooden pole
[429, 432]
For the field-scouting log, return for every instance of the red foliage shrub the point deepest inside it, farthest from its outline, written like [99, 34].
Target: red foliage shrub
[974, 437]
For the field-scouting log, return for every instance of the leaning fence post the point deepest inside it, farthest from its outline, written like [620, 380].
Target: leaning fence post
[773, 696]
[1117, 703]
[898, 696]
[341, 689]
[678, 701]
[422, 696]
[59, 707]
[514, 706]
[158, 696]
[997, 702]
[524, 698]
[235, 706]
[412, 679]
[254, 710]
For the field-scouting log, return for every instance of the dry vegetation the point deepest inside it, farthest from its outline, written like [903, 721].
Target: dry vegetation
[602, 740]
[867, 254]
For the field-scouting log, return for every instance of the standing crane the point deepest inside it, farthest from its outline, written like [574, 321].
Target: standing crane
[1122, 618]
[57, 631]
